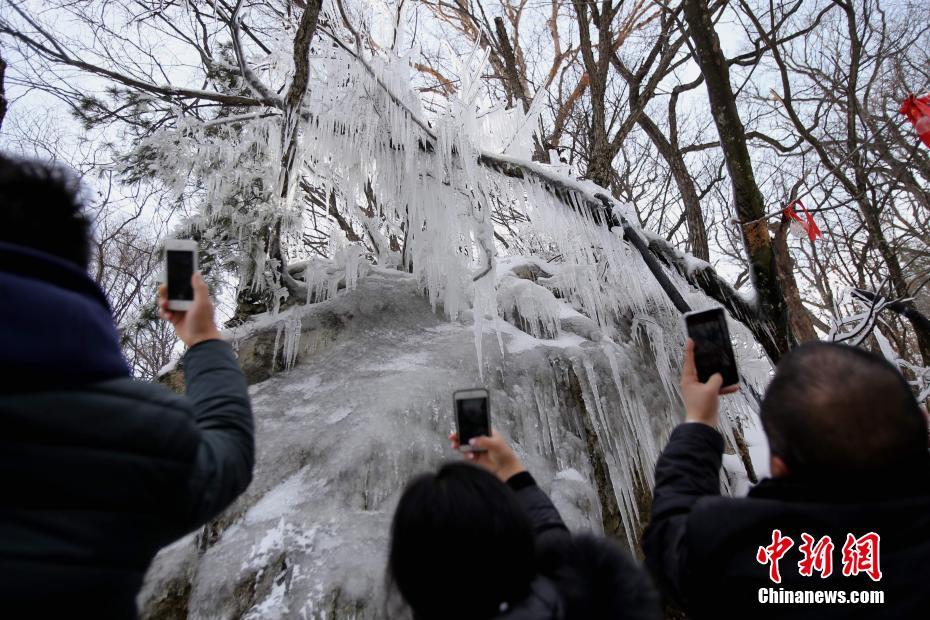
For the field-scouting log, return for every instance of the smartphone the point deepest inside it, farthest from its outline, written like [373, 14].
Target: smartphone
[713, 351]
[180, 265]
[472, 416]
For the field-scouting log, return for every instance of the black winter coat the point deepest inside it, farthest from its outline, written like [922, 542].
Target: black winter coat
[99, 471]
[703, 547]
[581, 577]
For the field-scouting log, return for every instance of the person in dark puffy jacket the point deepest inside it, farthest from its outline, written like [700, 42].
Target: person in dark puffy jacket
[97, 471]
[481, 540]
[842, 527]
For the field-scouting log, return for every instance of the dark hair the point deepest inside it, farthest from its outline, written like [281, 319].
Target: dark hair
[41, 209]
[461, 545]
[835, 409]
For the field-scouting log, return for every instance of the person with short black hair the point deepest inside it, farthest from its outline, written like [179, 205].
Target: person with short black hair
[847, 508]
[481, 540]
[835, 410]
[97, 471]
[42, 210]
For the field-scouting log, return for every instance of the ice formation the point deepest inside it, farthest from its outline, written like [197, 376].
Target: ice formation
[581, 356]
[367, 405]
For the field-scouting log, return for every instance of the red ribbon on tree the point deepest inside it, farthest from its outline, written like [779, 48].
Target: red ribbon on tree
[917, 110]
[799, 225]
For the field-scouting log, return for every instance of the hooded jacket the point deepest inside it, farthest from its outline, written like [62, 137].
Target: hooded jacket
[98, 471]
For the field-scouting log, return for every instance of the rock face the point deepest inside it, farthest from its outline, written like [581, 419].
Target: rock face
[353, 397]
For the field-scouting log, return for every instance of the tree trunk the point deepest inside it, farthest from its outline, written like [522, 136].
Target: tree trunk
[750, 208]
[516, 83]
[600, 151]
[694, 217]
[799, 317]
[510, 64]
[2, 91]
[290, 122]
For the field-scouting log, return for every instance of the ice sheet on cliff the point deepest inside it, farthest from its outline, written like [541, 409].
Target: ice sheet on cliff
[366, 404]
[572, 335]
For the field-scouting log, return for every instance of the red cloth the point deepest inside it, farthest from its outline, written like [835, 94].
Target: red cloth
[917, 110]
[806, 223]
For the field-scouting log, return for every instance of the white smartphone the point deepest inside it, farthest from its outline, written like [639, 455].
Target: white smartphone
[472, 416]
[180, 265]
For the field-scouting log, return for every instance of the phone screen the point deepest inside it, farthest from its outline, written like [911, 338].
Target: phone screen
[180, 270]
[472, 414]
[712, 349]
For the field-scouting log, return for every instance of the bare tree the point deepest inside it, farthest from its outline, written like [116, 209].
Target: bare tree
[843, 110]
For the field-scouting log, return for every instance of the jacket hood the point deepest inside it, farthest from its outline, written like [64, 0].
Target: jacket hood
[56, 327]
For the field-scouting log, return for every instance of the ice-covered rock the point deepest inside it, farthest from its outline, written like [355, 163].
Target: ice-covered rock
[353, 397]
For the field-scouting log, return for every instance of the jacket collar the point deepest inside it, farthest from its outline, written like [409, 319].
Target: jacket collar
[542, 603]
[911, 480]
[56, 327]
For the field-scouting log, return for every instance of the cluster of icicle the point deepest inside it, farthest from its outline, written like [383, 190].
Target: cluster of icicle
[603, 277]
[363, 124]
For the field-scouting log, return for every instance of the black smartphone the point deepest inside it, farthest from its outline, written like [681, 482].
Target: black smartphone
[180, 264]
[713, 351]
[472, 416]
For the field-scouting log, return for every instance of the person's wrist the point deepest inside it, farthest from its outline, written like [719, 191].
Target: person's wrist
[702, 418]
[213, 334]
[510, 470]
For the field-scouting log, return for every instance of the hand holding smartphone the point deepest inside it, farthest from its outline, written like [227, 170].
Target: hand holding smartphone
[184, 299]
[713, 351]
[472, 416]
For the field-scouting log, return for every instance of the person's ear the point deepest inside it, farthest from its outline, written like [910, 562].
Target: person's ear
[778, 467]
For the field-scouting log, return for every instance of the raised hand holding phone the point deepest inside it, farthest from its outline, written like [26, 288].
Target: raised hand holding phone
[492, 453]
[197, 323]
[713, 351]
[472, 416]
[701, 399]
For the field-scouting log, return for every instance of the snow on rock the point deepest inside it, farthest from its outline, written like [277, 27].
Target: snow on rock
[353, 397]
[529, 306]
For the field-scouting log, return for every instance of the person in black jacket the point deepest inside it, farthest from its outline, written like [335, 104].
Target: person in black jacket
[481, 540]
[97, 471]
[844, 518]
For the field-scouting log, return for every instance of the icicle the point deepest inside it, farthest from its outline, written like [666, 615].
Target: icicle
[292, 333]
[353, 257]
[274, 348]
[621, 471]
[483, 306]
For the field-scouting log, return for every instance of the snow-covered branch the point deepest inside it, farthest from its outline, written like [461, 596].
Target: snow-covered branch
[856, 315]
